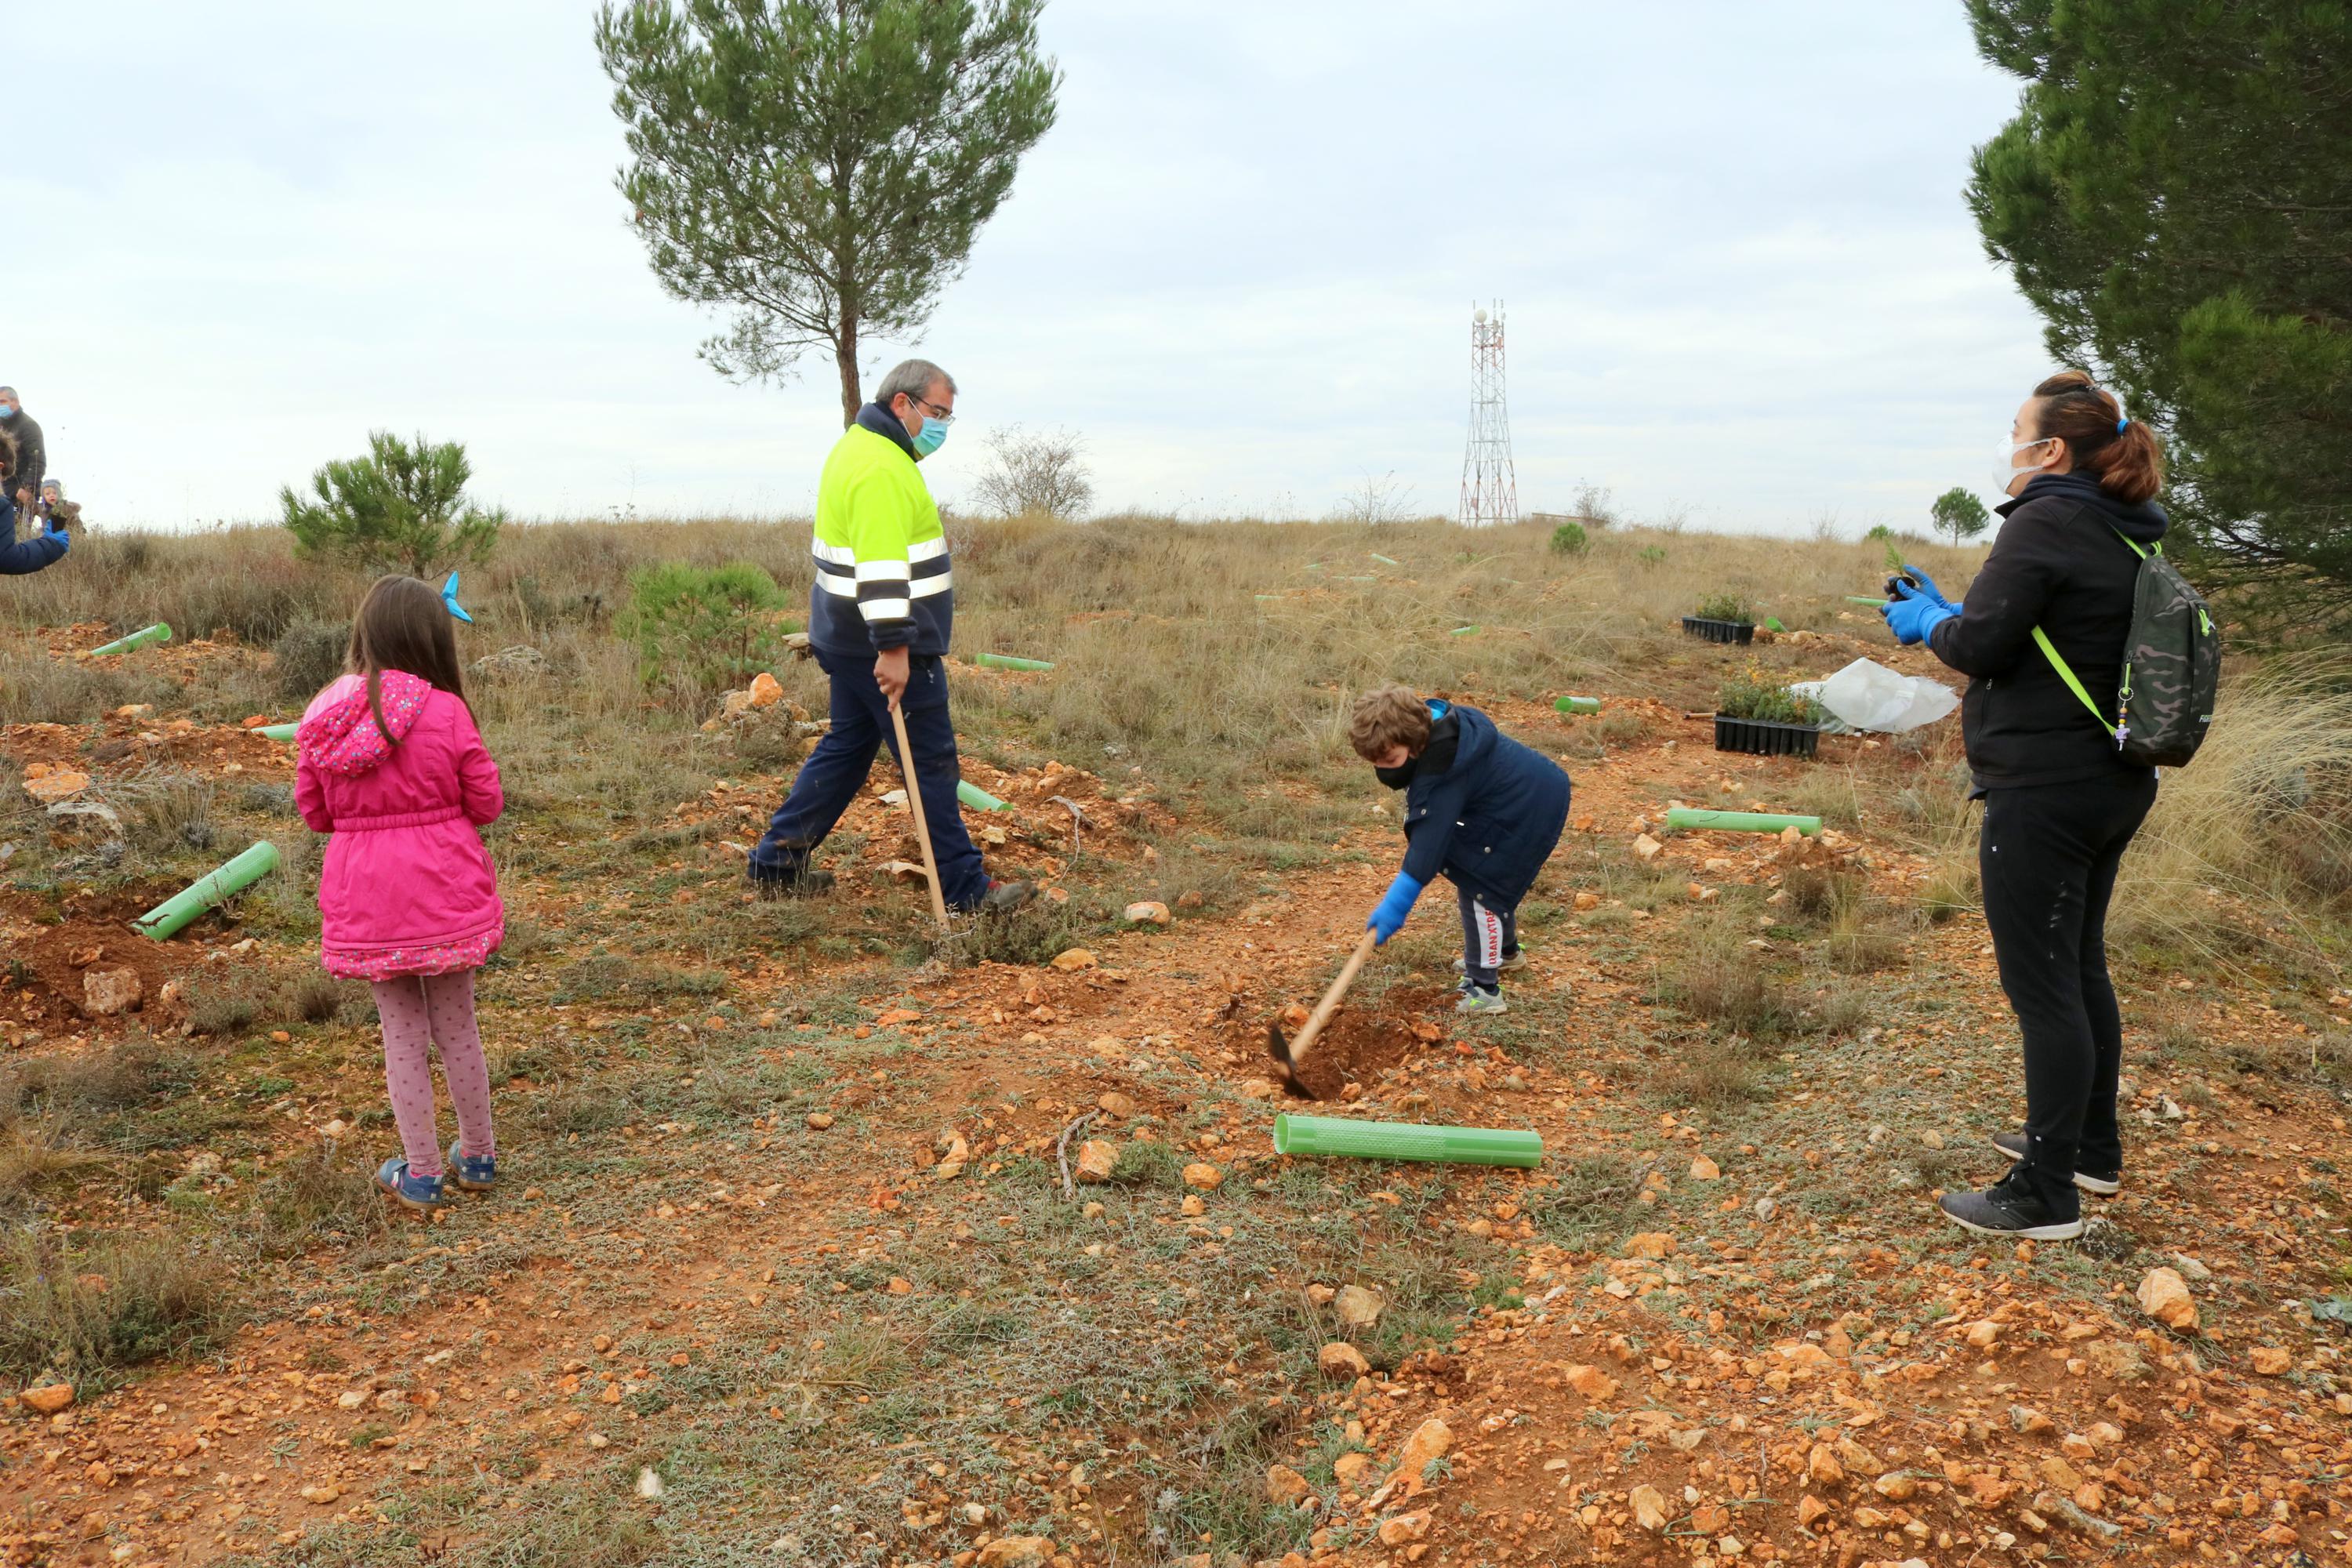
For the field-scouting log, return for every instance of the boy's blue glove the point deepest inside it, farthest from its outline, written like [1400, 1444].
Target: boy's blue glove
[56, 531]
[1912, 619]
[1388, 915]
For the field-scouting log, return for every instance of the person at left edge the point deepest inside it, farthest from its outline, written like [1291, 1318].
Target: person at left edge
[46, 549]
[880, 615]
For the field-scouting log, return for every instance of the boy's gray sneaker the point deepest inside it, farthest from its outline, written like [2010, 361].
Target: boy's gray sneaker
[2103, 1183]
[1480, 1002]
[1003, 897]
[1514, 960]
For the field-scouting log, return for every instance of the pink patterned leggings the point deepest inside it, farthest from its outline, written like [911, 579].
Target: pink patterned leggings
[422, 1010]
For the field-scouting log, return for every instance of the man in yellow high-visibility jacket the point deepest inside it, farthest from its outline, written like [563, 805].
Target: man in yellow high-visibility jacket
[880, 615]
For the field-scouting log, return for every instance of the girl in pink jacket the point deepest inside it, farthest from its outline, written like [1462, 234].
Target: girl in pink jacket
[394, 767]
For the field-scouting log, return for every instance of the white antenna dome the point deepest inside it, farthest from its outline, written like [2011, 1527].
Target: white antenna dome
[1479, 316]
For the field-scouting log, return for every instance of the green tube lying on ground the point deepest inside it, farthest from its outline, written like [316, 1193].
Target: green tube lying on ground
[1859, 599]
[1006, 661]
[1462, 631]
[277, 732]
[1687, 816]
[159, 632]
[1578, 705]
[1405, 1140]
[979, 799]
[166, 918]
[1381, 559]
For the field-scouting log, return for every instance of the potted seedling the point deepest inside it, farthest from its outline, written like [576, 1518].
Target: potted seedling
[1763, 718]
[1724, 617]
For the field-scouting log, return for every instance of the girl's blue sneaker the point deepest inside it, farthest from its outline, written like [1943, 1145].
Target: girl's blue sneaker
[471, 1174]
[423, 1194]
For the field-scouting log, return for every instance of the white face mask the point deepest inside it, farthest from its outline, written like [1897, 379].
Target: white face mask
[2005, 465]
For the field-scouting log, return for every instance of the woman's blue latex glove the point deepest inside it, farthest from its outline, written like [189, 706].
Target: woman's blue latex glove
[1914, 618]
[1388, 915]
[1925, 589]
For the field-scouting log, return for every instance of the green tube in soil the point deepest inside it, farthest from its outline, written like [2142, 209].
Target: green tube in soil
[1405, 1140]
[1859, 599]
[1578, 705]
[1381, 559]
[157, 633]
[979, 799]
[1462, 631]
[1772, 624]
[1006, 661]
[277, 732]
[1687, 816]
[166, 918]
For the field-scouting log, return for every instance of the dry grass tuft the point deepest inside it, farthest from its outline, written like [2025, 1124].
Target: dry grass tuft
[2249, 848]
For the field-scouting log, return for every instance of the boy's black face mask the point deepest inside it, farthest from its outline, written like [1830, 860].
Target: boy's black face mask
[1398, 777]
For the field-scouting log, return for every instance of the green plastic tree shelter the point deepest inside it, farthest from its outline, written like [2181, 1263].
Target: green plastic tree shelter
[1578, 705]
[979, 799]
[1684, 816]
[157, 633]
[1862, 599]
[1343, 1135]
[166, 918]
[1006, 661]
[277, 732]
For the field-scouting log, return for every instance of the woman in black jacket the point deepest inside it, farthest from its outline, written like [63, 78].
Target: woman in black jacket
[2060, 806]
[44, 549]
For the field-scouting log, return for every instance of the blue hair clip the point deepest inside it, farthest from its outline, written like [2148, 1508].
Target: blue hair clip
[449, 597]
[2122, 423]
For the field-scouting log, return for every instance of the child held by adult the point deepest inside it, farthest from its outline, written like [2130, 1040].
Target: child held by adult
[393, 765]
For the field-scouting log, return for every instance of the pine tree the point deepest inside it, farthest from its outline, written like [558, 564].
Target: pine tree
[1959, 513]
[2175, 196]
[820, 166]
[402, 506]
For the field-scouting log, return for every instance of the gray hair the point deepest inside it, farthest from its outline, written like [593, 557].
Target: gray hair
[913, 378]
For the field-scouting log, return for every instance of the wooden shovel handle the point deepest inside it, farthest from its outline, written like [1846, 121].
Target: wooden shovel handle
[1330, 1002]
[915, 802]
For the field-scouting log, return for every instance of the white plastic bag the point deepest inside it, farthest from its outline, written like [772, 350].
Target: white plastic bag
[1866, 695]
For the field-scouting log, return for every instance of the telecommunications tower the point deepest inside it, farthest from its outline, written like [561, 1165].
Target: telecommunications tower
[1490, 492]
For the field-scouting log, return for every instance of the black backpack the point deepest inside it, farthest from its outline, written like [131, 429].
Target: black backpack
[2172, 667]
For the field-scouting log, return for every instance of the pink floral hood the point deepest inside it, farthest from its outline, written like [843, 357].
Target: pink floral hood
[339, 735]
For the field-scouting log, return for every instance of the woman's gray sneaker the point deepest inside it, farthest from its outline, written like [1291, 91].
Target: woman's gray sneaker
[2007, 1209]
[2106, 1184]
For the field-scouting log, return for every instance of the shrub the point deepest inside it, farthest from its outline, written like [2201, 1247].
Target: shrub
[1035, 476]
[1880, 531]
[307, 656]
[1756, 696]
[1568, 539]
[707, 627]
[116, 1305]
[1726, 607]
[402, 506]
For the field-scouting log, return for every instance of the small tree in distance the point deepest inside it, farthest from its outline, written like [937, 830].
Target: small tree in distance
[1043, 474]
[1959, 513]
[402, 506]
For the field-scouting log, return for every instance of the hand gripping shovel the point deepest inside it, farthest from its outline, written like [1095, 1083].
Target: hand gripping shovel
[1288, 1055]
[915, 804]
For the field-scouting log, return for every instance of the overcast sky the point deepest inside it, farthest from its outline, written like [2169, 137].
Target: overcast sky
[1741, 284]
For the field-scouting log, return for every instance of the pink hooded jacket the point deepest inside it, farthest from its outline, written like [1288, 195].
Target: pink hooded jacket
[407, 871]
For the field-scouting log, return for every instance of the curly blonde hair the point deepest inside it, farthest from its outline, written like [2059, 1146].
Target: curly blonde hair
[1388, 716]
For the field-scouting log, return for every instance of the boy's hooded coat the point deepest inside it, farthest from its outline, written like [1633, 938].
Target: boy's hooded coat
[1482, 808]
[406, 869]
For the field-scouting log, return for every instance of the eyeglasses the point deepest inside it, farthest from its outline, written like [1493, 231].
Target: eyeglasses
[930, 410]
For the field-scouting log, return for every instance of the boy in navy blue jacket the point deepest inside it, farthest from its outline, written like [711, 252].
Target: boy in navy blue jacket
[1478, 806]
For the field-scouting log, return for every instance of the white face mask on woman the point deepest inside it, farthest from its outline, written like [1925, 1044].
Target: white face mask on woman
[2006, 465]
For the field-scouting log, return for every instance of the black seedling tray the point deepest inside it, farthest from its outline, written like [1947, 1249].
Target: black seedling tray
[1763, 738]
[1740, 632]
